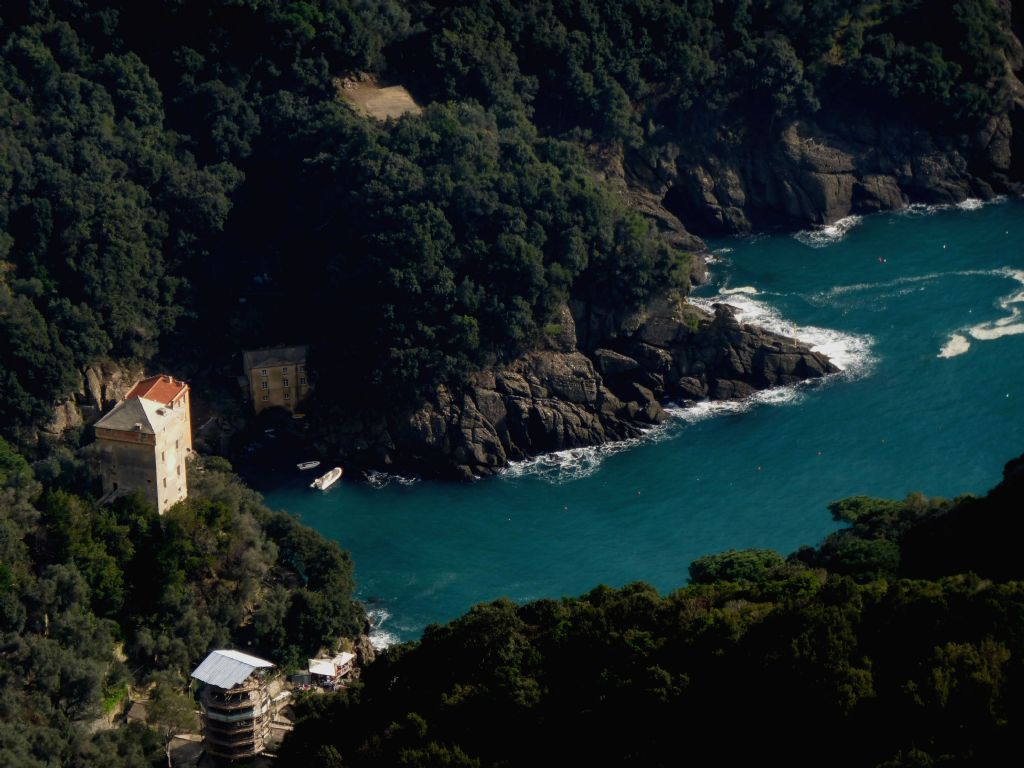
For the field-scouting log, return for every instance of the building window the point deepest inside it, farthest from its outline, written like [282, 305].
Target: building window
[163, 456]
[302, 369]
[179, 470]
[285, 369]
[284, 382]
[263, 372]
[165, 482]
[265, 398]
[264, 385]
[175, 445]
[287, 395]
[302, 381]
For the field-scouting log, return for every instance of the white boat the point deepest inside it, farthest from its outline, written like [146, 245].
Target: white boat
[308, 464]
[326, 481]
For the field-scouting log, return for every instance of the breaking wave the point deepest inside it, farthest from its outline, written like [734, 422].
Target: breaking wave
[380, 638]
[576, 463]
[827, 234]
[970, 204]
[748, 289]
[848, 351]
[709, 409]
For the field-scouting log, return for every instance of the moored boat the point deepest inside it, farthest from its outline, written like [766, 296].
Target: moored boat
[307, 464]
[325, 481]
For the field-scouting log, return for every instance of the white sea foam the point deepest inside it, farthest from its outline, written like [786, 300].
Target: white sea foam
[827, 234]
[748, 289]
[956, 345]
[377, 479]
[709, 409]
[992, 331]
[576, 463]
[847, 351]
[1010, 324]
[380, 638]
[827, 297]
[970, 204]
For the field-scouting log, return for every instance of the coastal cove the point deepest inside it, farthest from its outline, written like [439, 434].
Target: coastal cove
[922, 310]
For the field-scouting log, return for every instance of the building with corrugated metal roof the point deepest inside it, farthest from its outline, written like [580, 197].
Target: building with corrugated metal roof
[144, 441]
[237, 710]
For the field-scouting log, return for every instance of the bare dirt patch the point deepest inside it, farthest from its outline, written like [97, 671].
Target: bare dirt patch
[374, 100]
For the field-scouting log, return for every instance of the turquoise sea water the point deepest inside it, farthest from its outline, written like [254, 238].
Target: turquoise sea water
[923, 310]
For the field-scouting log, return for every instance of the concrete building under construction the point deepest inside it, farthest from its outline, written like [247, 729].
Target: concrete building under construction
[236, 707]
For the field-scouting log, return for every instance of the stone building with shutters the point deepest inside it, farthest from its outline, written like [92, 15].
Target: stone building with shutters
[275, 377]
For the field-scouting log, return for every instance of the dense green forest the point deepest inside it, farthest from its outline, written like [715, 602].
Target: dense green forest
[169, 168]
[95, 598]
[897, 642]
[623, 71]
[179, 179]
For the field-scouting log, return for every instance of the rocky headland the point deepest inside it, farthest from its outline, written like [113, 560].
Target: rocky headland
[575, 392]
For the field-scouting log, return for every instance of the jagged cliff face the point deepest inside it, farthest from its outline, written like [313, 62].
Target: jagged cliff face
[574, 394]
[100, 387]
[819, 169]
[813, 175]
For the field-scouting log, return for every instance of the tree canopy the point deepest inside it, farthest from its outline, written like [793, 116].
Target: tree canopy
[169, 168]
[847, 651]
[92, 597]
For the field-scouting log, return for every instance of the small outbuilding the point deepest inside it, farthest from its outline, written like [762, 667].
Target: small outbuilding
[329, 672]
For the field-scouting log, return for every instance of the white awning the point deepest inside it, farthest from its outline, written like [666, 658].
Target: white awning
[343, 658]
[322, 667]
[226, 669]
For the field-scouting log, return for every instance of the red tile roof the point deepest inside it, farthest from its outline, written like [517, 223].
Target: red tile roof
[161, 389]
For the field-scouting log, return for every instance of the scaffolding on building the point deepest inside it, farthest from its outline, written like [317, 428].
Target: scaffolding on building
[237, 710]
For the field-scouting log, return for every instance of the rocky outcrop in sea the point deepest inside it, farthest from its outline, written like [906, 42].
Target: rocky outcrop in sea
[573, 394]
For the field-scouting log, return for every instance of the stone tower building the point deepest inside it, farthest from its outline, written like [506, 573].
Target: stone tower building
[144, 440]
